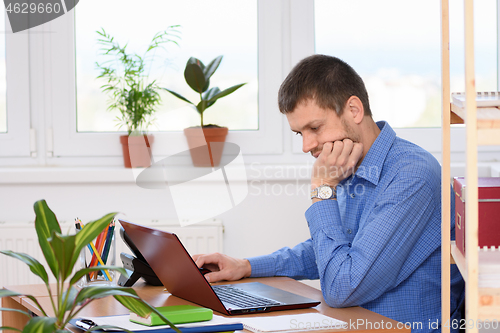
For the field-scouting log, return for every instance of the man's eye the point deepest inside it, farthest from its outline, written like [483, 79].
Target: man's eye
[314, 128]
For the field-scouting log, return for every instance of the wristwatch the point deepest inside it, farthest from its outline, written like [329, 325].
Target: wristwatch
[324, 192]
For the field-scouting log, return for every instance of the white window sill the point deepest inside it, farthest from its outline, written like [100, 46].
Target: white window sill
[115, 175]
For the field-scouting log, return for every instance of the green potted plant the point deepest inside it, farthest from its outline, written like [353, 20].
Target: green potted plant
[61, 253]
[130, 92]
[198, 76]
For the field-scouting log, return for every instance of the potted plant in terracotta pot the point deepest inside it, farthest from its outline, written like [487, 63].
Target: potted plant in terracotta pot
[197, 76]
[130, 93]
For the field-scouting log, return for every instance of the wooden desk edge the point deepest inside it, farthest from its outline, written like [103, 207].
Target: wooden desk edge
[358, 319]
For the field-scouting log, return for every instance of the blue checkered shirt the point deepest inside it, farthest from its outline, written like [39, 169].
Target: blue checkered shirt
[379, 245]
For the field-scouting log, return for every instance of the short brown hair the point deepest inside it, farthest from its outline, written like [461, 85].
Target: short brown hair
[329, 81]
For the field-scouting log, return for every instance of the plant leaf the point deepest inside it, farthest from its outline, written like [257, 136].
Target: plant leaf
[84, 271]
[40, 325]
[9, 328]
[10, 293]
[194, 75]
[226, 92]
[45, 224]
[202, 106]
[96, 292]
[64, 250]
[178, 96]
[212, 67]
[35, 266]
[16, 310]
[142, 308]
[69, 302]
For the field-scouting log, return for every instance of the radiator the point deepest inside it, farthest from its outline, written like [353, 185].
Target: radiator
[21, 237]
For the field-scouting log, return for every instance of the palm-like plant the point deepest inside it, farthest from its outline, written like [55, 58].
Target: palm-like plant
[61, 253]
[198, 76]
[127, 83]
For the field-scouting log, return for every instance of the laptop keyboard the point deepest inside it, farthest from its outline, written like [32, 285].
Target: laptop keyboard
[241, 298]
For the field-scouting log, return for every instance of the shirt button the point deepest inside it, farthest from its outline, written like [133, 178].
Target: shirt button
[349, 231]
[352, 195]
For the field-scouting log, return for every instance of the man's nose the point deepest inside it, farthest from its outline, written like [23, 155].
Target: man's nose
[308, 143]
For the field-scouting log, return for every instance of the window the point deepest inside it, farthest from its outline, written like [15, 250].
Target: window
[397, 52]
[207, 28]
[73, 136]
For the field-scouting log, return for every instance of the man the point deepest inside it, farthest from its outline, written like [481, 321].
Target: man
[375, 216]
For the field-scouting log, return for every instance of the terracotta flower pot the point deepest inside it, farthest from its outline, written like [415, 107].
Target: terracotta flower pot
[136, 150]
[202, 152]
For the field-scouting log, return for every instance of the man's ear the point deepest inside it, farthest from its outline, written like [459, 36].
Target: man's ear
[355, 107]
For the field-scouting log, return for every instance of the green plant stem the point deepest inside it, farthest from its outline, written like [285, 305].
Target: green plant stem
[201, 112]
[51, 298]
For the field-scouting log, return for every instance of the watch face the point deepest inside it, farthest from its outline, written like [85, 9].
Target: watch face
[325, 192]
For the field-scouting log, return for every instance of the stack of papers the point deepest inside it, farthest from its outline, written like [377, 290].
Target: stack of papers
[489, 268]
[291, 323]
[483, 99]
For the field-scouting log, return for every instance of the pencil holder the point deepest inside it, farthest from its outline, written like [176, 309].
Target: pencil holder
[100, 252]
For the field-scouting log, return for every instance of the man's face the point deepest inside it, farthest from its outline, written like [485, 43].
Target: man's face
[317, 126]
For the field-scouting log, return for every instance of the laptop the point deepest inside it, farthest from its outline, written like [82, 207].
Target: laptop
[178, 272]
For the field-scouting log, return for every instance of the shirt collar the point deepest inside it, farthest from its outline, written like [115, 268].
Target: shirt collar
[372, 164]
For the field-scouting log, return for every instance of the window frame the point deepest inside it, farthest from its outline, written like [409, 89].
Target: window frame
[16, 142]
[67, 142]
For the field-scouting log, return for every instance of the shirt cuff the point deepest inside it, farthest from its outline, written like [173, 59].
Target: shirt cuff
[262, 266]
[325, 216]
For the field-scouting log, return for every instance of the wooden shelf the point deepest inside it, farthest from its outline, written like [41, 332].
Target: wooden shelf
[489, 298]
[486, 117]
[488, 123]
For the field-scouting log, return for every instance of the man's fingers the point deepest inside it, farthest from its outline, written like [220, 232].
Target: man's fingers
[345, 153]
[357, 152]
[206, 259]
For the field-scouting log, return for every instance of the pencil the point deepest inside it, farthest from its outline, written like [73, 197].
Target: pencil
[93, 250]
[99, 244]
[109, 241]
[94, 261]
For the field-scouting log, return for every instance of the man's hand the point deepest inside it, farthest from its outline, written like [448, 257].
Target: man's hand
[223, 267]
[337, 161]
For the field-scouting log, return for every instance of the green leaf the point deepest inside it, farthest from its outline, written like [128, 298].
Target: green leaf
[45, 224]
[202, 106]
[35, 266]
[96, 292]
[9, 328]
[194, 75]
[41, 325]
[212, 67]
[73, 292]
[211, 93]
[226, 92]
[178, 96]
[16, 310]
[84, 271]
[142, 308]
[10, 293]
[64, 250]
